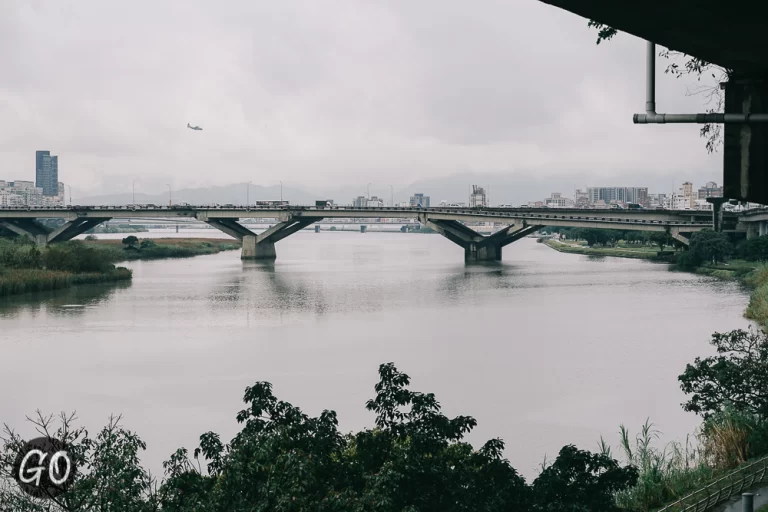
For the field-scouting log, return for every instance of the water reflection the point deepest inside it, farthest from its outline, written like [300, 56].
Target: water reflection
[73, 301]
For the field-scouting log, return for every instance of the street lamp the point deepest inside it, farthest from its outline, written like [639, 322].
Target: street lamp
[70, 195]
[248, 195]
[170, 195]
[392, 191]
[369, 190]
[281, 191]
[133, 190]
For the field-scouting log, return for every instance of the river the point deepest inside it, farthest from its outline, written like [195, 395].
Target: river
[543, 349]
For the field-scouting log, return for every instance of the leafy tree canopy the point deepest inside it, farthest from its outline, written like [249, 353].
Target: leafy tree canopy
[413, 459]
[737, 376]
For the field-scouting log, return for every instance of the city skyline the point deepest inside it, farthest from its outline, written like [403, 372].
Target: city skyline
[301, 101]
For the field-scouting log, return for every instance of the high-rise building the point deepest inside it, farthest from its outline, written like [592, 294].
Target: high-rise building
[710, 190]
[419, 200]
[609, 195]
[478, 197]
[360, 202]
[47, 173]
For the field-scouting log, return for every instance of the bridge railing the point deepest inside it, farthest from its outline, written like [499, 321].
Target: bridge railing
[722, 489]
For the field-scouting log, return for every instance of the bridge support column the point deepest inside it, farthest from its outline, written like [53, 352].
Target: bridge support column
[261, 246]
[753, 230]
[482, 252]
[29, 228]
[476, 246]
[257, 251]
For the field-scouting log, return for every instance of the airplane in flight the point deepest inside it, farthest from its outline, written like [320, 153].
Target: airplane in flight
[197, 128]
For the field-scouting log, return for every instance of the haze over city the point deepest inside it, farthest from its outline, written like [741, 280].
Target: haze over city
[330, 96]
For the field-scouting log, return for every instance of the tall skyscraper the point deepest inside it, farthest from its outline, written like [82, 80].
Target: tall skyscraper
[47, 173]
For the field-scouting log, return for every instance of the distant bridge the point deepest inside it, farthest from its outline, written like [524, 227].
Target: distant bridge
[449, 222]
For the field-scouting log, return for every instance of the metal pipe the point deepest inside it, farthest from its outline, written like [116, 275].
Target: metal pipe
[748, 502]
[651, 117]
[650, 79]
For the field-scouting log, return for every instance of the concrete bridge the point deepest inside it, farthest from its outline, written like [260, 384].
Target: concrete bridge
[452, 223]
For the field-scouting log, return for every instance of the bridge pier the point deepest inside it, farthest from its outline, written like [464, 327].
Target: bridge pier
[476, 246]
[42, 235]
[261, 246]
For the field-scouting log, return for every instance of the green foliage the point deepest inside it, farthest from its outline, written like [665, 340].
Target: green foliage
[130, 241]
[414, 459]
[710, 246]
[76, 256]
[110, 476]
[19, 253]
[753, 249]
[660, 238]
[737, 377]
[604, 32]
[147, 243]
[581, 481]
[687, 260]
[91, 238]
[665, 474]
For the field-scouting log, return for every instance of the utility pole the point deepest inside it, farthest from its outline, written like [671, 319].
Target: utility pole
[170, 195]
[392, 191]
[248, 195]
[133, 192]
[281, 191]
[369, 190]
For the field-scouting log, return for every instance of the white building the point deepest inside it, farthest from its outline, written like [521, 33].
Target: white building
[25, 193]
[556, 200]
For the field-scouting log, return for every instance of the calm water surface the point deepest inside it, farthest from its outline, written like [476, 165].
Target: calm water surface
[544, 349]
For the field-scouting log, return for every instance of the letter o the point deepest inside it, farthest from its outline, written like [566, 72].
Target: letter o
[52, 467]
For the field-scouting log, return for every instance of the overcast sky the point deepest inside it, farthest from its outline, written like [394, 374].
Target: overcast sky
[324, 92]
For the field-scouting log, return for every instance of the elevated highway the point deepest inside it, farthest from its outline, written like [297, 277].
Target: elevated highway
[452, 223]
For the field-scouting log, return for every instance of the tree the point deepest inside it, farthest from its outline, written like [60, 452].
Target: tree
[737, 376]
[710, 246]
[753, 249]
[692, 66]
[130, 241]
[109, 477]
[660, 238]
[414, 459]
[580, 481]
[147, 243]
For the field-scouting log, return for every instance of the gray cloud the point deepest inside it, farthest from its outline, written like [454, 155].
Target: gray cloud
[325, 93]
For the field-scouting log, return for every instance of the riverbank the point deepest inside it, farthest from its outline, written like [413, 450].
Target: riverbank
[644, 253]
[24, 268]
[161, 248]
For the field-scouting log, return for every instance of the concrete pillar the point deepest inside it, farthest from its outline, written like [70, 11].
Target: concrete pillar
[261, 251]
[761, 227]
[41, 240]
[482, 252]
[317, 228]
[249, 247]
[363, 228]
[753, 230]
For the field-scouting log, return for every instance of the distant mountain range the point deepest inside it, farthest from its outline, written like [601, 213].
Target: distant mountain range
[515, 189]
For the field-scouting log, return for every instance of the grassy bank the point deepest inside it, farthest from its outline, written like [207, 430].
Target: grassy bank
[160, 248]
[622, 251]
[17, 281]
[25, 268]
